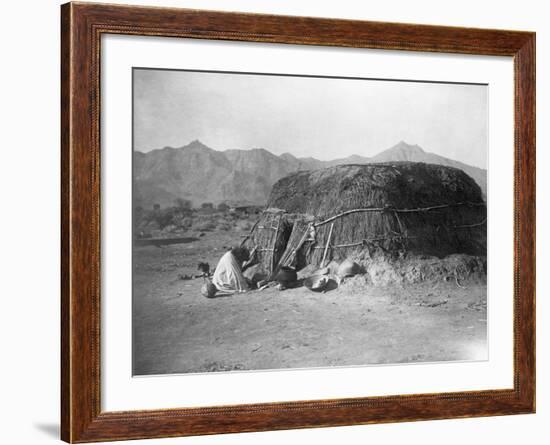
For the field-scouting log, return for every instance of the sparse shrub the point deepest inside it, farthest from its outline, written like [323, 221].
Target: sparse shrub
[187, 222]
[223, 207]
[183, 203]
[206, 226]
[225, 226]
[165, 217]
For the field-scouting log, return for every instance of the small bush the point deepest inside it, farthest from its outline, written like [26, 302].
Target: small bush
[225, 226]
[187, 223]
[207, 226]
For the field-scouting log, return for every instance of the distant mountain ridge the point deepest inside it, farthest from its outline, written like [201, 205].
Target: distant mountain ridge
[202, 174]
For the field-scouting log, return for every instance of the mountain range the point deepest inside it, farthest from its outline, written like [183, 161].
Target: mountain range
[201, 174]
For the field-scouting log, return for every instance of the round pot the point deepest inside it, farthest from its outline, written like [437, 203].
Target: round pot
[316, 283]
[286, 275]
[208, 289]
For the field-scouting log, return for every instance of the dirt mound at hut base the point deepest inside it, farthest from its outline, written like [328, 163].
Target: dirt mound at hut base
[383, 271]
[457, 267]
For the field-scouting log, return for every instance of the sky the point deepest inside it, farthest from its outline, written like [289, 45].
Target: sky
[324, 118]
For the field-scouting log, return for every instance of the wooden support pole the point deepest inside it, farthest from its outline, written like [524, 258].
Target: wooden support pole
[275, 243]
[388, 209]
[327, 245]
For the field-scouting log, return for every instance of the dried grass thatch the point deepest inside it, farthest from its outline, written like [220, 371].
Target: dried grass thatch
[388, 208]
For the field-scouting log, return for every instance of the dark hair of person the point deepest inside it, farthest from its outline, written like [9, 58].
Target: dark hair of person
[241, 253]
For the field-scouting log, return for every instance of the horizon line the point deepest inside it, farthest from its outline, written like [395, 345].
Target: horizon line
[306, 157]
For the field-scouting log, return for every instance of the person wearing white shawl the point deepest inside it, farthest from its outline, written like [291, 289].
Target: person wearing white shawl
[228, 276]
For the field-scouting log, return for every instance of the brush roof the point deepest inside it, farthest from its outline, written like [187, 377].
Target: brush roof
[340, 188]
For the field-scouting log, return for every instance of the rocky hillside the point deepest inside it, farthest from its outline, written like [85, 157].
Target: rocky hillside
[201, 174]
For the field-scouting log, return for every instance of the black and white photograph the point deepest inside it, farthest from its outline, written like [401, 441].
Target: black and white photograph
[233, 222]
[299, 221]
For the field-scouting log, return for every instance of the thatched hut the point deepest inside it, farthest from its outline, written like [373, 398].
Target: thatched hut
[313, 217]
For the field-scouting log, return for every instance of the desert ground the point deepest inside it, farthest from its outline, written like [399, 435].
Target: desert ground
[177, 330]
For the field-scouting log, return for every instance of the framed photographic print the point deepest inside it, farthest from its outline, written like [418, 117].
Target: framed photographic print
[274, 222]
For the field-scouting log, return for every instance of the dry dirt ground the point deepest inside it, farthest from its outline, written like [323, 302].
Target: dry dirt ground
[176, 330]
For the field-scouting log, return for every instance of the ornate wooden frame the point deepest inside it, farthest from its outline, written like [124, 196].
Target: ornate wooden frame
[81, 28]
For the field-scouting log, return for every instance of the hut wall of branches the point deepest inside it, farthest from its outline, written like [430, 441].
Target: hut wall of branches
[388, 208]
[269, 237]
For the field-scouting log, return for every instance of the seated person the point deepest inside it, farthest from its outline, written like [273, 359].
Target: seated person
[228, 276]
